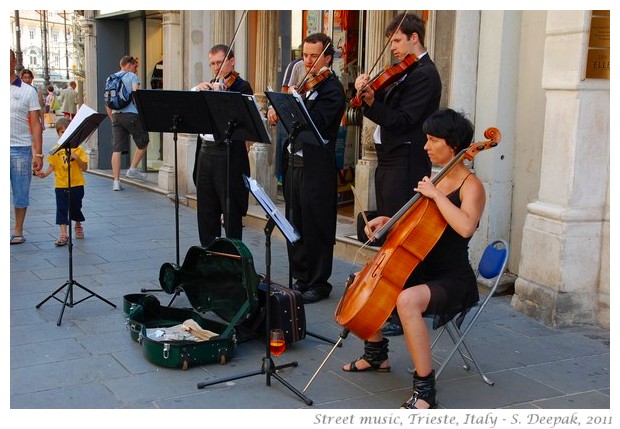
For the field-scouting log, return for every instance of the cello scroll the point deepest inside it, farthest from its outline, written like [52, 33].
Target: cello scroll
[493, 134]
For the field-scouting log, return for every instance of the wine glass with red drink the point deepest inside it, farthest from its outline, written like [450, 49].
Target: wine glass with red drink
[277, 343]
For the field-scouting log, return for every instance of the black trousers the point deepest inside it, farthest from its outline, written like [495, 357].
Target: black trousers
[211, 195]
[310, 258]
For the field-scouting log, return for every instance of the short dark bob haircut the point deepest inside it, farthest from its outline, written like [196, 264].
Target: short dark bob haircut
[452, 126]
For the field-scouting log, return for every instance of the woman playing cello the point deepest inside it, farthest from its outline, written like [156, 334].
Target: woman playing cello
[444, 283]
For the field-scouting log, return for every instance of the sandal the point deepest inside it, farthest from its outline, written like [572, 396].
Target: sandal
[79, 232]
[375, 355]
[372, 366]
[17, 239]
[423, 389]
[63, 240]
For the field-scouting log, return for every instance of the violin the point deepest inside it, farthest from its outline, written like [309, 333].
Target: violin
[386, 78]
[314, 81]
[370, 296]
[228, 80]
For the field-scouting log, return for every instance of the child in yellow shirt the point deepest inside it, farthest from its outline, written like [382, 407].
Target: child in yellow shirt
[58, 165]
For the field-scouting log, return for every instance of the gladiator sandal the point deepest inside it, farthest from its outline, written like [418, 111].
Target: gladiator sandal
[423, 388]
[375, 353]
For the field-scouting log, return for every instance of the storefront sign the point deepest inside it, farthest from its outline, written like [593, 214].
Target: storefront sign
[599, 46]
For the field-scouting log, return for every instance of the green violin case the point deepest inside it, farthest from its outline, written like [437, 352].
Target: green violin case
[220, 283]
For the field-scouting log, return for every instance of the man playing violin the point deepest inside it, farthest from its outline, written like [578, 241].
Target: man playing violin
[443, 284]
[399, 111]
[210, 169]
[310, 186]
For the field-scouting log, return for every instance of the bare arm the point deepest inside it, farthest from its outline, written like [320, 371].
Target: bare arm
[463, 220]
[41, 112]
[45, 173]
[83, 165]
[374, 225]
[37, 140]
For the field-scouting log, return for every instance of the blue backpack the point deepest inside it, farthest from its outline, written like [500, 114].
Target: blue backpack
[116, 95]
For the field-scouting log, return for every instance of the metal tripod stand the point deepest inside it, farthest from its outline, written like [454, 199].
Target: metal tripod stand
[70, 283]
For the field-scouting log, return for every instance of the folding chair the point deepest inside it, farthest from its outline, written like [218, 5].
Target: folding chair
[491, 267]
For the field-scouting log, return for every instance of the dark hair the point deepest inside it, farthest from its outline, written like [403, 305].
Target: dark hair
[411, 24]
[222, 48]
[324, 39]
[50, 88]
[26, 71]
[453, 127]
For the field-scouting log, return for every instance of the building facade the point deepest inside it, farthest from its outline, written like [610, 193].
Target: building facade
[531, 74]
[47, 45]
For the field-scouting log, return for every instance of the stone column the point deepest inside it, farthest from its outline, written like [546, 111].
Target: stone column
[222, 26]
[565, 238]
[88, 28]
[262, 155]
[196, 42]
[496, 103]
[377, 21]
[173, 79]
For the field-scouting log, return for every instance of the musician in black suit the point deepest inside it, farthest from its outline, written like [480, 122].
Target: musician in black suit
[210, 168]
[310, 187]
[399, 111]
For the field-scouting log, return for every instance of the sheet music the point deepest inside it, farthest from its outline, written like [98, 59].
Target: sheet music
[82, 114]
[270, 208]
[263, 119]
[300, 102]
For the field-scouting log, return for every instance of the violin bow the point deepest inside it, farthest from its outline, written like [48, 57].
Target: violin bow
[387, 44]
[217, 77]
[313, 64]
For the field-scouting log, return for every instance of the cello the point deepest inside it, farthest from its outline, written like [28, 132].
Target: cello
[370, 296]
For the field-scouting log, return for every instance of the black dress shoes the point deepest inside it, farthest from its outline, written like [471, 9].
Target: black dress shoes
[311, 296]
[392, 329]
[300, 286]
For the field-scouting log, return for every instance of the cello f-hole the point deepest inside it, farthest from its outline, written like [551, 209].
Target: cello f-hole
[378, 267]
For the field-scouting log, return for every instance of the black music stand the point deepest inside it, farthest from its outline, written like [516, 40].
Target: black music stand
[274, 218]
[79, 130]
[296, 120]
[236, 117]
[174, 112]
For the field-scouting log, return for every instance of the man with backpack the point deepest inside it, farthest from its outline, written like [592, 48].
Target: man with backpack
[125, 121]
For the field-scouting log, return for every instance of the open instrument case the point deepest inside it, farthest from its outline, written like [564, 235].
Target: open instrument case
[221, 285]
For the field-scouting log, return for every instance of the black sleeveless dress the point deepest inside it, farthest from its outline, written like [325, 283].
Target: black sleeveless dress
[448, 273]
